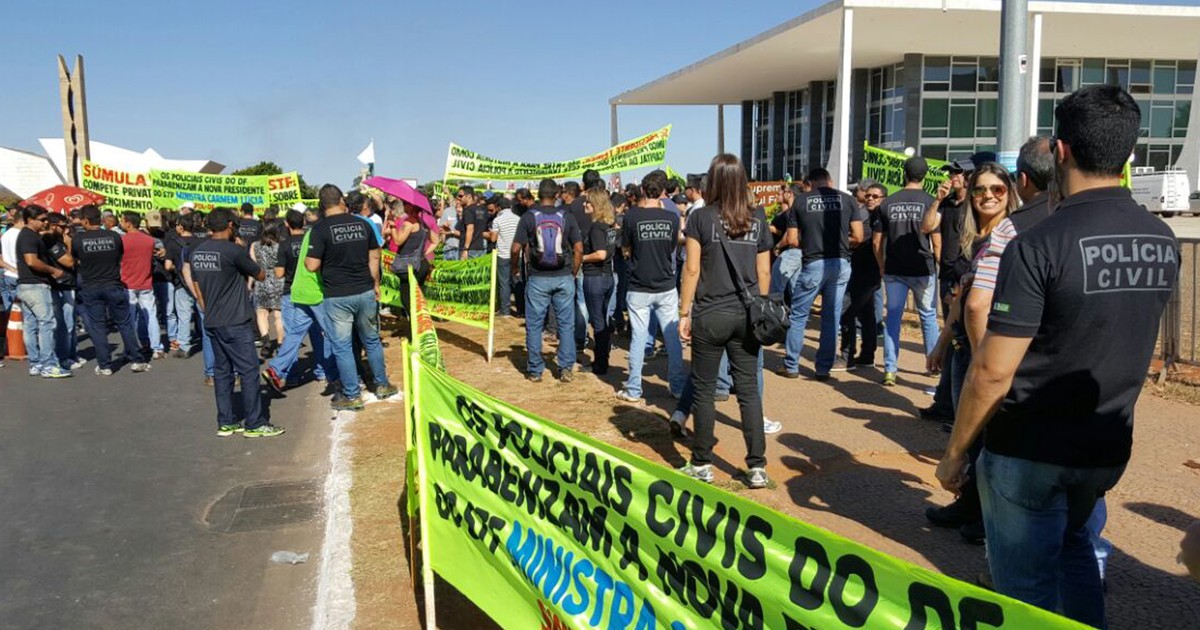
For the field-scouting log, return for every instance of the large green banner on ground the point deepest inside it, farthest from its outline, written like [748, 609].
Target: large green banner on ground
[543, 527]
[648, 150]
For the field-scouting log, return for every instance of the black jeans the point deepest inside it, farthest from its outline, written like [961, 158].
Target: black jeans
[98, 305]
[714, 332]
[597, 290]
[233, 353]
[503, 285]
[861, 297]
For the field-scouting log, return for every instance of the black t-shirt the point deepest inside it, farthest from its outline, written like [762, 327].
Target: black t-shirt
[477, 216]
[1032, 213]
[250, 230]
[864, 269]
[823, 217]
[1088, 285]
[907, 251]
[600, 237]
[579, 213]
[289, 255]
[343, 244]
[221, 269]
[178, 250]
[651, 234]
[30, 242]
[56, 249]
[717, 288]
[780, 223]
[527, 235]
[98, 257]
[952, 265]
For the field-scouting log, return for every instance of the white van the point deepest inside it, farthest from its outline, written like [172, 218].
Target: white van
[1161, 192]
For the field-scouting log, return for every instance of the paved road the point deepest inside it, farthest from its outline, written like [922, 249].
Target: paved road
[117, 511]
[1186, 227]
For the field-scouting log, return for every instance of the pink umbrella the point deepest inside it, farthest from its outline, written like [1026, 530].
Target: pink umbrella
[400, 189]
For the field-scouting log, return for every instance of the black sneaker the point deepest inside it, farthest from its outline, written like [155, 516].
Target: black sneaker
[782, 371]
[934, 414]
[973, 533]
[533, 378]
[956, 514]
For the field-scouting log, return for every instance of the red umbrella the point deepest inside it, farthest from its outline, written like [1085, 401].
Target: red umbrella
[63, 199]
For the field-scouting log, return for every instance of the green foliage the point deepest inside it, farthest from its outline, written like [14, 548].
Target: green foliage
[270, 168]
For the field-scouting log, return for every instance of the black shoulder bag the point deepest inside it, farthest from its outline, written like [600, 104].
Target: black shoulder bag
[766, 315]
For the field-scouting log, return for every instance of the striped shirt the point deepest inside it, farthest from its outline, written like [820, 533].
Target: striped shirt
[987, 266]
[505, 226]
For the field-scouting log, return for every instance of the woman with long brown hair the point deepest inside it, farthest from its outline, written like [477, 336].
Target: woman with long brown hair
[728, 259]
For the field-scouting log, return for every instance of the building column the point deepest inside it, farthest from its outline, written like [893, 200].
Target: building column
[816, 124]
[613, 125]
[839, 157]
[778, 123]
[1189, 155]
[914, 70]
[1035, 73]
[720, 129]
[748, 137]
[860, 114]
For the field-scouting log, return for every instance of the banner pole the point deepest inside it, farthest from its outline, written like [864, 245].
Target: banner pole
[410, 452]
[423, 483]
[492, 310]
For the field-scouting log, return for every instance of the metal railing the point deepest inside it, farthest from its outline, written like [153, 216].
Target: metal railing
[1177, 341]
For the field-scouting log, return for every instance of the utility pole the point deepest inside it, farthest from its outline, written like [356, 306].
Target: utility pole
[74, 117]
[1014, 17]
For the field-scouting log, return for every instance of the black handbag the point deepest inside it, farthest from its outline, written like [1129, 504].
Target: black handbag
[766, 315]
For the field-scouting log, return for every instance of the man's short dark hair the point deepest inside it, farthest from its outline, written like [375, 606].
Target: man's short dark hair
[571, 188]
[220, 218]
[695, 181]
[188, 222]
[91, 214]
[653, 187]
[592, 179]
[617, 200]
[1100, 123]
[247, 209]
[1036, 162]
[32, 211]
[467, 190]
[294, 219]
[132, 218]
[819, 175]
[328, 197]
[523, 193]
[355, 201]
[547, 189]
[880, 187]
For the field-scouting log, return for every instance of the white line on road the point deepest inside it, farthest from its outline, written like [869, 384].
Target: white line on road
[335, 607]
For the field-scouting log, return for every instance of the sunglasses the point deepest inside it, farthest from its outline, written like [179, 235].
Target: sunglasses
[873, 196]
[997, 190]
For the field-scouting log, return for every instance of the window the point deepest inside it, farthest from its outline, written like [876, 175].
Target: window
[1183, 111]
[1162, 119]
[933, 151]
[986, 115]
[962, 118]
[935, 117]
[1163, 81]
[1093, 71]
[964, 76]
[1118, 73]
[1067, 77]
[1186, 79]
[1139, 76]
[937, 74]
[989, 74]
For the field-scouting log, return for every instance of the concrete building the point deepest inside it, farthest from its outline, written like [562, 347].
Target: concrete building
[925, 74]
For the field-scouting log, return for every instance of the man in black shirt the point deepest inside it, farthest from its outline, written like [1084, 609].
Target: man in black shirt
[102, 295]
[298, 319]
[474, 223]
[1055, 379]
[35, 273]
[824, 223]
[552, 247]
[344, 249]
[904, 252]
[219, 269]
[863, 291]
[249, 229]
[650, 235]
[62, 290]
[572, 204]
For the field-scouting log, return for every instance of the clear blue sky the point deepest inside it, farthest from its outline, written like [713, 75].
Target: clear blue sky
[307, 84]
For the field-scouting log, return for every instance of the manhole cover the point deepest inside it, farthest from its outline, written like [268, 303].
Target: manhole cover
[252, 507]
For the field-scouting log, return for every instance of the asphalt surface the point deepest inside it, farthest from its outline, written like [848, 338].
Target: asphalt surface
[1189, 226]
[121, 508]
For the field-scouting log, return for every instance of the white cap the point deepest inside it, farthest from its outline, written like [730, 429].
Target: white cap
[189, 205]
[299, 207]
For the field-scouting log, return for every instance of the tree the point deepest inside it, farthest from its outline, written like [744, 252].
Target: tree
[271, 168]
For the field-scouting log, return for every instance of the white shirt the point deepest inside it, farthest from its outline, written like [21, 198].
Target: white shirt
[8, 248]
[377, 220]
[505, 225]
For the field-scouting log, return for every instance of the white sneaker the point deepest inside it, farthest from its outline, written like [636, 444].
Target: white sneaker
[78, 363]
[103, 371]
[757, 478]
[770, 426]
[627, 397]
[140, 367]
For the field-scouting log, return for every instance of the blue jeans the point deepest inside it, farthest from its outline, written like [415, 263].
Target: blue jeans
[503, 285]
[146, 316]
[581, 315]
[164, 295]
[185, 310]
[298, 320]
[598, 289]
[8, 292]
[474, 253]
[37, 312]
[827, 277]
[233, 350]
[349, 316]
[724, 385]
[924, 289]
[784, 270]
[98, 306]
[611, 307]
[450, 253]
[665, 308]
[1039, 547]
[66, 344]
[1095, 526]
[541, 294]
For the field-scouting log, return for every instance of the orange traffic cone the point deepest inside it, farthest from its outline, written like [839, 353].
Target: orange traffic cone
[16, 333]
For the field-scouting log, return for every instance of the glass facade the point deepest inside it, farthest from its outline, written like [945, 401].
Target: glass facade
[885, 107]
[796, 140]
[762, 140]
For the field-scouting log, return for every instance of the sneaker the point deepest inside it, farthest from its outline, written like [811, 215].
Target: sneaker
[783, 371]
[226, 430]
[956, 514]
[35, 371]
[208, 380]
[383, 392]
[678, 425]
[757, 478]
[821, 377]
[533, 378]
[627, 397]
[55, 372]
[157, 354]
[341, 402]
[889, 379]
[76, 364]
[864, 361]
[840, 365]
[931, 391]
[140, 367]
[770, 426]
[179, 353]
[103, 371]
[566, 376]
[934, 414]
[266, 430]
[973, 533]
[273, 380]
[699, 473]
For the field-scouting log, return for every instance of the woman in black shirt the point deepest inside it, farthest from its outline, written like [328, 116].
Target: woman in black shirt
[728, 259]
[414, 242]
[599, 247]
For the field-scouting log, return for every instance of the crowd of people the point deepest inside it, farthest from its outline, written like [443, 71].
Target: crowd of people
[1028, 269]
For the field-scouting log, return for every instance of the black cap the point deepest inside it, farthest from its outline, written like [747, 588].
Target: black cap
[970, 164]
[915, 168]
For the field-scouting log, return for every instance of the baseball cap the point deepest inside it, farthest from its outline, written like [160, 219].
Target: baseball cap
[915, 168]
[970, 164]
[299, 206]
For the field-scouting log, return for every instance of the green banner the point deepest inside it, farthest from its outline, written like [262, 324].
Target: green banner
[887, 168]
[462, 291]
[173, 188]
[648, 150]
[541, 526]
[389, 283]
[122, 190]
